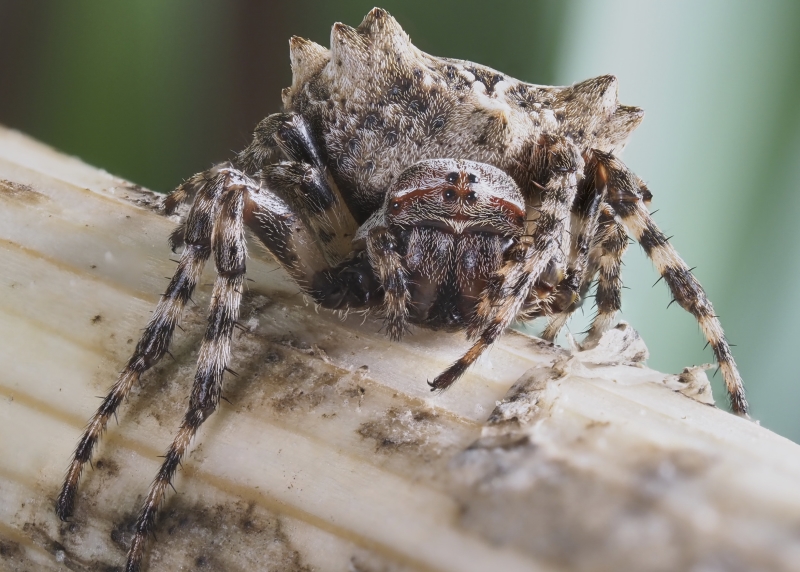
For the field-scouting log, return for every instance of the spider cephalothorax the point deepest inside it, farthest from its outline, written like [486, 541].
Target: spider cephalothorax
[436, 192]
[447, 224]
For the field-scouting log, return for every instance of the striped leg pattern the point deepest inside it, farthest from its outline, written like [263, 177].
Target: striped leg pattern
[156, 338]
[274, 220]
[230, 252]
[303, 181]
[627, 196]
[610, 245]
[580, 272]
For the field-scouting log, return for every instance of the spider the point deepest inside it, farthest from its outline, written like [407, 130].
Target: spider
[433, 191]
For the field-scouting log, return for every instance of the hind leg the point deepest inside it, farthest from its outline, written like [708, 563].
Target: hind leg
[627, 196]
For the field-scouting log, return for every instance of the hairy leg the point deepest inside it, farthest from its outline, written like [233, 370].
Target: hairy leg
[229, 256]
[606, 255]
[579, 273]
[627, 195]
[156, 338]
[303, 181]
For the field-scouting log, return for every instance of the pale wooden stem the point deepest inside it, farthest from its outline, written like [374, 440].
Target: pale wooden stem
[332, 452]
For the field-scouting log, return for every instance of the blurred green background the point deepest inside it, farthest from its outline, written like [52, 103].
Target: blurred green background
[156, 90]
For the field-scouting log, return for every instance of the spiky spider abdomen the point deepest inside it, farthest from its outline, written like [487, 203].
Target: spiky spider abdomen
[432, 191]
[379, 104]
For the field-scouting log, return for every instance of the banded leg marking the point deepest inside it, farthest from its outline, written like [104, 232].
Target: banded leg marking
[157, 336]
[303, 181]
[627, 194]
[230, 253]
[607, 255]
[584, 225]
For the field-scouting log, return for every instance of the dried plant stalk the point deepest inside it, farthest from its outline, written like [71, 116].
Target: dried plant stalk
[331, 452]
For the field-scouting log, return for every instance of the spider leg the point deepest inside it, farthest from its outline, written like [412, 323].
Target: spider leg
[230, 252]
[612, 242]
[186, 192]
[284, 133]
[387, 263]
[627, 195]
[260, 152]
[289, 239]
[303, 181]
[309, 190]
[157, 335]
[526, 260]
[569, 293]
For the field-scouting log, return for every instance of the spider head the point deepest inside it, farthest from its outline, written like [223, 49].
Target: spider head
[457, 197]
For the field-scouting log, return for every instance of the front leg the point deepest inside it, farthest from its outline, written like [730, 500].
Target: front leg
[351, 284]
[606, 255]
[155, 341]
[526, 261]
[303, 183]
[242, 201]
[303, 180]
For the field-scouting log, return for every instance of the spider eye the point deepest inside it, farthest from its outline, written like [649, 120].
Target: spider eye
[472, 178]
[472, 196]
[451, 177]
[449, 194]
[395, 206]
